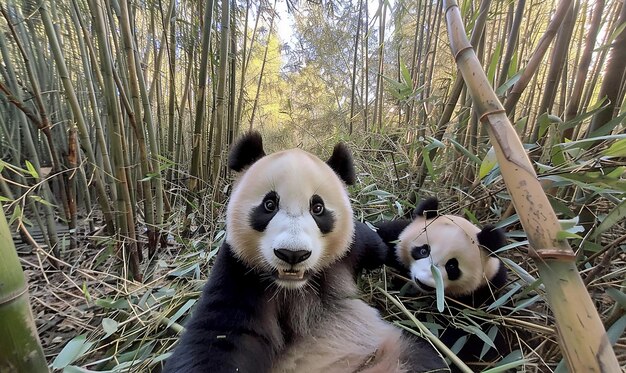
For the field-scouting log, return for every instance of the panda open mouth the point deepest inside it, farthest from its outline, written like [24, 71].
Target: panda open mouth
[423, 287]
[290, 274]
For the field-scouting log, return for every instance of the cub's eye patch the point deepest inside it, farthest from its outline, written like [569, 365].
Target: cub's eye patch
[453, 270]
[323, 217]
[420, 252]
[261, 215]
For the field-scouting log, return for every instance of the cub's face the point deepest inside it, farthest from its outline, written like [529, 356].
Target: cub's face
[451, 244]
[289, 216]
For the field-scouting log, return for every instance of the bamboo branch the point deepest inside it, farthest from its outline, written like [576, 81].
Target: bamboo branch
[583, 340]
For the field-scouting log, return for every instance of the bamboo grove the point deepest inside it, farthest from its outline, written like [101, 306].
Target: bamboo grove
[115, 116]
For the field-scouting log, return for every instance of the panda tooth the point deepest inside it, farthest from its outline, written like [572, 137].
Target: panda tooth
[290, 274]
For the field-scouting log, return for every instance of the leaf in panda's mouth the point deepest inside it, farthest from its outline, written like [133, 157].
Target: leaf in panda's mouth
[290, 274]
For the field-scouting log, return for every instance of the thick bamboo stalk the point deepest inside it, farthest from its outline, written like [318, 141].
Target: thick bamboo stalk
[20, 349]
[582, 337]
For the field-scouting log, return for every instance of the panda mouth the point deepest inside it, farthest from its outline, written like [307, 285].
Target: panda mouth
[423, 287]
[290, 274]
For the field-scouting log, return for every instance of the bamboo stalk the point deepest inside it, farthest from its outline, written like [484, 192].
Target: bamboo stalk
[537, 56]
[583, 340]
[78, 116]
[20, 348]
[220, 107]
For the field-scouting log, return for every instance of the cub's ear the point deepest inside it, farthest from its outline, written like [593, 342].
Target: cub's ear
[247, 150]
[427, 208]
[491, 238]
[341, 162]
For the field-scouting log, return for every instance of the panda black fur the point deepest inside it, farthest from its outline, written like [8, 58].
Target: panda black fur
[281, 296]
[464, 255]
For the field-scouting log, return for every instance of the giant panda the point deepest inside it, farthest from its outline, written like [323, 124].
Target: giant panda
[281, 296]
[471, 274]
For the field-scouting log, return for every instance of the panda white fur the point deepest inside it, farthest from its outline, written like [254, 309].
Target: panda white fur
[462, 252]
[281, 296]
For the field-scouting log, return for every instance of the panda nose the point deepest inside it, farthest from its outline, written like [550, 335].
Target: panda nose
[292, 256]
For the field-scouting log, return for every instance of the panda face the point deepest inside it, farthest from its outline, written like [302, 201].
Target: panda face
[289, 216]
[450, 243]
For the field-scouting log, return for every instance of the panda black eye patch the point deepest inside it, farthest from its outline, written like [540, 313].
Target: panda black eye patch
[453, 270]
[420, 252]
[261, 215]
[324, 218]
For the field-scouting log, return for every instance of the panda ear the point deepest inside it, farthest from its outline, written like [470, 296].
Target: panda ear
[341, 162]
[247, 150]
[491, 238]
[427, 208]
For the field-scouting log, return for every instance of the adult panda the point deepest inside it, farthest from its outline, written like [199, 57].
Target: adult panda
[281, 296]
[462, 252]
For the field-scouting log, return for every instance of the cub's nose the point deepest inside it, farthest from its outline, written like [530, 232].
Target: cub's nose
[292, 256]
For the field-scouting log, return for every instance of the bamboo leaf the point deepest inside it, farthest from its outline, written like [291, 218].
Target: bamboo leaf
[438, 286]
[526, 303]
[488, 163]
[503, 299]
[31, 170]
[509, 83]
[563, 235]
[109, 326]
[73, 350]
[480, 334]
[463, 150]
[618, 296]
[616, 215]
[617, 149]
[493, 331]
[616, 330]
[493, 65]
[181, 311]
[38, 199]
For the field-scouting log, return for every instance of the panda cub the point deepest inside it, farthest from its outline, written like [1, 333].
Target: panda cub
[281, 296]
[463, 254]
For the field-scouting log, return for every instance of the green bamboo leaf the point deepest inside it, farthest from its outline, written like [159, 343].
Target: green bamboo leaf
[493, 331]
[17, 214]
[73, 350]
[617, 149]
[467, 153]
[109, 326]
[31, 170]
[427, 161]
[545, 121]
[611, 38]
[406, 75]
[493, 65]
[509, 83]
[38, 199]
[563, 235]
[480, 334]
[503, 299]
[438, 286]
[526, 303]
[488, 163]
[5, 199]
[181, 311]
[616, 330]
[459, 344]
[618, 296]
[616, 215]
